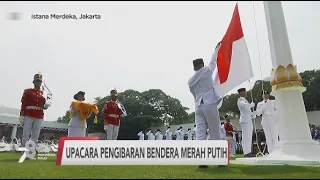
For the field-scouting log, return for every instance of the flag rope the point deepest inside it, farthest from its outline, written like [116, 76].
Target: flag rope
[259, 58]
[257, 40]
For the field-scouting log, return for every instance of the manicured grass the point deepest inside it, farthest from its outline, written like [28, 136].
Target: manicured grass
[10, 168]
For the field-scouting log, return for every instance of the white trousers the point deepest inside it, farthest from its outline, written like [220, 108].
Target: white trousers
[76, 132]
[270, 128]
[232, 145]
[207, 116]
[247, 129]
[31, 126]
[112, 132]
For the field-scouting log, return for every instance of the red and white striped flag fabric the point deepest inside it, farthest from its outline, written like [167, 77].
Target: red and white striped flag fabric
[233, 61]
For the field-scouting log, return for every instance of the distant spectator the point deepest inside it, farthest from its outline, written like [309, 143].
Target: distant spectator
[312, 133]
[317, 135]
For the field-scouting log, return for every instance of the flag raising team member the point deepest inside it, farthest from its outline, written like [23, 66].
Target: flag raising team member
[267, 109]
[229, 67]
[245, 121]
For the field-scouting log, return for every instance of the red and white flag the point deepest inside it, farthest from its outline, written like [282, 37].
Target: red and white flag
[233, 61]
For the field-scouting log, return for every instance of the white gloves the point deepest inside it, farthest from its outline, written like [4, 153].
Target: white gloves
[254, 116]
[46, 106]
[106, 127]
[21, 118]
[252, 104]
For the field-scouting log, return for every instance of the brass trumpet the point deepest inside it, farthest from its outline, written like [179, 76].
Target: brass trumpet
[121, 107]
[48, 93]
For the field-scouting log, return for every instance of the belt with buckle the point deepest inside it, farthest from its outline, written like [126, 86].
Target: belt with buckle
[113, 115]
[34, 107]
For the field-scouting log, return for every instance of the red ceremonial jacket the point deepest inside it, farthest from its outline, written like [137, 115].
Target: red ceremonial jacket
[32, 103]
[229, 129]
[112, 113]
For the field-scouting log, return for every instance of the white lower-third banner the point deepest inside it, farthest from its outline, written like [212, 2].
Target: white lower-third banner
[135, 152]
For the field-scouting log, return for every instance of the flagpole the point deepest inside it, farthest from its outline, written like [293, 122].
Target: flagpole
[296, 145]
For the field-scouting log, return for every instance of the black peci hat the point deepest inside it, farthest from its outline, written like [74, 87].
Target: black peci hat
[241, 90]
[197, 62]
[79, 93]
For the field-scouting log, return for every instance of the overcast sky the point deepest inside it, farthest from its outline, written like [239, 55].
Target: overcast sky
[135, 45]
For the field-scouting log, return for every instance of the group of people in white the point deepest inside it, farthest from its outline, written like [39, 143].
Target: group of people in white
[207, 118]
[179, 134]
[190, 135]
[207, 100]
[267, 110]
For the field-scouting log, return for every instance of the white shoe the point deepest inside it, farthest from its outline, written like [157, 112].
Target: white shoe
[233, 155]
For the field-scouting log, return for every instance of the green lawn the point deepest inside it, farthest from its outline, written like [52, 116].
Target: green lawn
[10, 168]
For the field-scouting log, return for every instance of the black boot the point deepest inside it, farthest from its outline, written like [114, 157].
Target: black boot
[203, 166]
[222, 165]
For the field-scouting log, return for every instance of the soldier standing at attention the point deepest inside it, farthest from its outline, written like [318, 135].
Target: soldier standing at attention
[112, 116]
[245, 121]
[141, 135]
[31, 114]
[168, 134]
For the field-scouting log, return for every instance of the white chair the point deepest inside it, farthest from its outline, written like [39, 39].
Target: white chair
[4, 146]
[43, 147]
[14, 145]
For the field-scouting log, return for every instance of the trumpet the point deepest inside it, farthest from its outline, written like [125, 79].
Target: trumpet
[235, 129]
[49, 95]
[121, 107]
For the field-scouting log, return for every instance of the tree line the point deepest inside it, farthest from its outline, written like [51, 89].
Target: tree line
[310, 80]
[146, 109]
[154, 108]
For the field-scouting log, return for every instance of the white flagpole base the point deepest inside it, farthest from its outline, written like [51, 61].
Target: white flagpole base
[288, 153]
[296, 146]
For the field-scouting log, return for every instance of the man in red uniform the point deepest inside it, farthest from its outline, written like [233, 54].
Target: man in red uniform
[112, 116]
[229, 135]
[31, 114]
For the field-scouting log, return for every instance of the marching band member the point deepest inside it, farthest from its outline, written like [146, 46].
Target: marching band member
[189, 133]
[141, 135]
[267, 109]
[31, 114]
[168, 134]
[159, 135]
[79, 112]
[150, 135]
[194, 132]
[112, 116]
[229, 129]
[245, 121]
